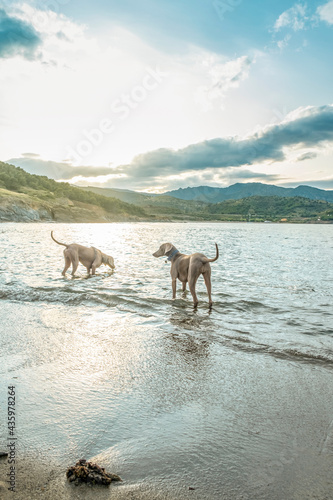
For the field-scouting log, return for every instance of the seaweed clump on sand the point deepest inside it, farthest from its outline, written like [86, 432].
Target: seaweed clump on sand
[87, 472]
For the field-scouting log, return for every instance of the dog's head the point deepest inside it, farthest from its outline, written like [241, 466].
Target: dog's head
[108, 260]
[164, 249]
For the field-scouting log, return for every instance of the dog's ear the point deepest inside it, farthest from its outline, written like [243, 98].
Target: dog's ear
[167, 247]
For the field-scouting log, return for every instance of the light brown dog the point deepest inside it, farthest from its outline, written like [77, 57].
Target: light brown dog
[187, 268]
[91, 257]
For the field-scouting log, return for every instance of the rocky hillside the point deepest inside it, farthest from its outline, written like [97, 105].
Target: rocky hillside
[21, 207]
[26, 197]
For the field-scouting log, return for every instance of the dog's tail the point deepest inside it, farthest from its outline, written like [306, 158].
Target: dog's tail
[63, 244]
[216, 257]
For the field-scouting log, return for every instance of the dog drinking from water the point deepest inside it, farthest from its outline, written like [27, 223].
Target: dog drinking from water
[90, 257]
[187, 268]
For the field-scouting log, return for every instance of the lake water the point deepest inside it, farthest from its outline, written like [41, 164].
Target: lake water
[236, 402]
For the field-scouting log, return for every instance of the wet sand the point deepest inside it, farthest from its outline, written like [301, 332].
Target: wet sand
[277, 446]
[307, 478]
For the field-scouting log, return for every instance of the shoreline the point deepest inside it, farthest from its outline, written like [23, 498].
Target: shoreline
[164, 221]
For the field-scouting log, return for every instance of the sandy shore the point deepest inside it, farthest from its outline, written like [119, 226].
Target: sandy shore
[306, 476]
[37, 480]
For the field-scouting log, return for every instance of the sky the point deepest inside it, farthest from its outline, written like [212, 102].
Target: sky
[163, 94]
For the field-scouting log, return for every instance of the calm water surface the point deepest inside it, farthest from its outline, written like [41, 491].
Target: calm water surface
[233, 399]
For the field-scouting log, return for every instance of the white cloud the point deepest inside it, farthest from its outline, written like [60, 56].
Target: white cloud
[294, 18]
[221, 76]
[282, 44]
[325, 12]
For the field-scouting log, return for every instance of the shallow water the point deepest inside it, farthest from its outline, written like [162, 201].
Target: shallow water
[230, 399]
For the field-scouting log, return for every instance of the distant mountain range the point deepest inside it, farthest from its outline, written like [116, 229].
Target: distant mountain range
[207, 194]
[238, 191]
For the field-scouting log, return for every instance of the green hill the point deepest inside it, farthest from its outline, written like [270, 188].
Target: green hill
[274, 208]
[57, 200]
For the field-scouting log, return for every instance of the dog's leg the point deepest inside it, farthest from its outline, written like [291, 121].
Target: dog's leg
[192, 279]
[184, 286]
[208, 284]
[97, 260]
[67, 264]
[75, 263]
[174, 287]
[95, 265]
[174, 274]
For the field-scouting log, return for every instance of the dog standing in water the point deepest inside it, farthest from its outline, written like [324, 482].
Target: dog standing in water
[90, 257]
[187, 268]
